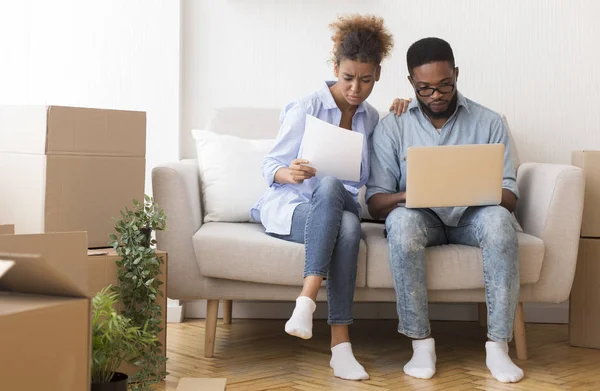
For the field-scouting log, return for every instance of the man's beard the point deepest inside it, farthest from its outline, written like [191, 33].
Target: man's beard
[440, 115]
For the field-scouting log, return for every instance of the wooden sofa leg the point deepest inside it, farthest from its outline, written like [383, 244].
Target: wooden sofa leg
[520, 338]
[227, 311]
[482, 311]
[210, 329]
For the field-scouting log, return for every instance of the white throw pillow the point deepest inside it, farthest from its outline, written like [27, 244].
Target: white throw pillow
[231, 174]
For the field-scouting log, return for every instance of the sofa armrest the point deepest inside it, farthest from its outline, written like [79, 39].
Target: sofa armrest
[551, 208]
[176, 189]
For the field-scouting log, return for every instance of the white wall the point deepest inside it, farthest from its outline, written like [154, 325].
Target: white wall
[535, 61]
[106, 54]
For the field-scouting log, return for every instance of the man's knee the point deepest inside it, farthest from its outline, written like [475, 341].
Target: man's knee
[405, 220]
[407, 229]
[494, 224]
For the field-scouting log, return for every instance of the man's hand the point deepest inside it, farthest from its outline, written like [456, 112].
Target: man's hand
[381, 204]
[509, 200]
[399, 106]
[296, 173]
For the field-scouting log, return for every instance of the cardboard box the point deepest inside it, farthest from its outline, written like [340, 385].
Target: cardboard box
[102, 271]
[584, 309]
[45, 331]
[589, 161]
[57, 249]
[70, 169]
[7, 229]
[205, 384]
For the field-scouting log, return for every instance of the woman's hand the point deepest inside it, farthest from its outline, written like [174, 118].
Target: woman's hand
[299, 172]
[399, 106]
[296, 173]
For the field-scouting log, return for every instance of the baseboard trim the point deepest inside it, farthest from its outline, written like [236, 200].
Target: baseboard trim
[546, 313]
[175, 311]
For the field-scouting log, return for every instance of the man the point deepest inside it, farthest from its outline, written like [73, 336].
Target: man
[442, 116]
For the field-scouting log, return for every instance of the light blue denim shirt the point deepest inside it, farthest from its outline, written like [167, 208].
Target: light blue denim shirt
[276, 207]
[471, 123]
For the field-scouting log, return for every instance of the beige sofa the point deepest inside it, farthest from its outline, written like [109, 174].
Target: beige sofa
[237, 261]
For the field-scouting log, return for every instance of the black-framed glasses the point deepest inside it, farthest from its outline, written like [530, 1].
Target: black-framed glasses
[428, 91]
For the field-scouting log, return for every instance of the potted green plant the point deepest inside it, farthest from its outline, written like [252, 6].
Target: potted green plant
[115, 339]
[139, 285]
[137, 224]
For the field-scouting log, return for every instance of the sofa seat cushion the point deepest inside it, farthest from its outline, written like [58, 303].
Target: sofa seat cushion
[450, 266]
[243, 252]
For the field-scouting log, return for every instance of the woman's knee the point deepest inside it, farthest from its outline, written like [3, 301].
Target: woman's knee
[329, 186]
[350, 228]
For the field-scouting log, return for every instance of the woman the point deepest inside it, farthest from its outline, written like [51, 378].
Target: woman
[323, 213]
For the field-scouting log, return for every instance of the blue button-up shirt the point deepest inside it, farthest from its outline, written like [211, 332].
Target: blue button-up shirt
[471, 123]
[276, 207]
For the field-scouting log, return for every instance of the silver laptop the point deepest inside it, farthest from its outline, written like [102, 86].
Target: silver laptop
[454, 175]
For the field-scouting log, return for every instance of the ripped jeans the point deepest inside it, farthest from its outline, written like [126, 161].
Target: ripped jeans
[410, 231]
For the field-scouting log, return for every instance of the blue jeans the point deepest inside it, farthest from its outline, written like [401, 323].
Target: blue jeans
[329, 227]
[410, 231]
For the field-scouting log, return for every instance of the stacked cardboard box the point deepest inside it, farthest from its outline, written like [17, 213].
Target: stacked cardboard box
[7, 229]
[62, 169]
[45, 331]
[70, 169]
[584, 325]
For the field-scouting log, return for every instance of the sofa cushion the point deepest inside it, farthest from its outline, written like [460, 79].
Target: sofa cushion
[243, 252]
[449, 266]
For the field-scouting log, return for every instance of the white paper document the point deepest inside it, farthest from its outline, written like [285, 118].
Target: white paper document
[332, 150]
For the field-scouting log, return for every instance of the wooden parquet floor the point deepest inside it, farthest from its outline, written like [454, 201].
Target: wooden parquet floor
[258, 355]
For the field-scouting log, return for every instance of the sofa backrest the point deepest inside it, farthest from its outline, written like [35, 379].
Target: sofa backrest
[245, 122]
[263, 123]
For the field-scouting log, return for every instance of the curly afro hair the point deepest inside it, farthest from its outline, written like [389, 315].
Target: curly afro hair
[361, 38]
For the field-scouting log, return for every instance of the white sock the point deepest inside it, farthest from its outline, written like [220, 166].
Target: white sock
[422, 363]
[300, 324]
[344, 364]
[500, 364]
